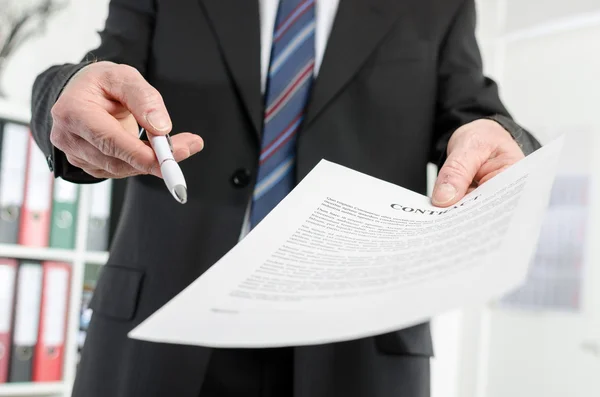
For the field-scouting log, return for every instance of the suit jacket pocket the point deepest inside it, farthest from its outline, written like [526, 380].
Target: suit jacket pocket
[117, 292]
[412, 341]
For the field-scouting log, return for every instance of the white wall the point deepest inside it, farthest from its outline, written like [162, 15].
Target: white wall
[69, 34]
[546, 58]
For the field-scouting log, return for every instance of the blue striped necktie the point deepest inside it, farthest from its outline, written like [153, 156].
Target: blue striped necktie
[289, 80]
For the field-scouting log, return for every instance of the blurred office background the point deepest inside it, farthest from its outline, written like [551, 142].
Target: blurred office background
[544, 339]
[541, 340]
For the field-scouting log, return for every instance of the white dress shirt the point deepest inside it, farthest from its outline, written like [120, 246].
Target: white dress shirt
[325, 11]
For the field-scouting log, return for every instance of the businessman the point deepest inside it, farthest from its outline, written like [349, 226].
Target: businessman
[255, 93]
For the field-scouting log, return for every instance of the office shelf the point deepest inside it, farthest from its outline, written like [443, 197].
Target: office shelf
[52, 254]
[96, 258]
[78, 257]
[32, 389]
[35, 253]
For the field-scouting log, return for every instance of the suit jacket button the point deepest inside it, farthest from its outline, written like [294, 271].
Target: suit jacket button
[241, 178]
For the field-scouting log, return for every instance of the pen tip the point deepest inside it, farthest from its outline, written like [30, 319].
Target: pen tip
[181, 193]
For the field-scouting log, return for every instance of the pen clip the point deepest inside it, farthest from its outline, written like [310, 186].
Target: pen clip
[169, 142]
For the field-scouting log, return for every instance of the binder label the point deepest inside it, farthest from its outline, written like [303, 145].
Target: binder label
[39, 181]
[101, 196]
[14, 160]
[57, 286]
[7, 288]
[29, 294]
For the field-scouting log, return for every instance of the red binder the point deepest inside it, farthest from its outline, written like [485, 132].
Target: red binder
[8, 279]
[34, 230]
[49, 351]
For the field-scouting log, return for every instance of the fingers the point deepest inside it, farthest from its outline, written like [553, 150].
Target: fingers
[110, 154]
[186, 144]
[96, 172]
[95, 163]
[126, 85]
[458, 172]
[500, 160]
[493, 172]
[93, 171]
[108, 135]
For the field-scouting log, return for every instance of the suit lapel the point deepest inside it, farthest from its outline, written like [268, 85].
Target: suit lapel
[236, 24]
[359, 26]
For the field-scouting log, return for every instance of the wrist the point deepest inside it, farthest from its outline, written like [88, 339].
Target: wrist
[507, 125]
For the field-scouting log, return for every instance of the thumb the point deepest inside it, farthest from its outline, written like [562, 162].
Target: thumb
[146, 104]
[456, 176]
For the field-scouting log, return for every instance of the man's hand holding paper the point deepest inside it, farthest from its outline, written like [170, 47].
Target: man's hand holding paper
[346, 255]
[477, 152]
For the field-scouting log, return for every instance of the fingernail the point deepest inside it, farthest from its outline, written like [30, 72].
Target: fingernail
[196, 146]
[444, 193]
[159, 120]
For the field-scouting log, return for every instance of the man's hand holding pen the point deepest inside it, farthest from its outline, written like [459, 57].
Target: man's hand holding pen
[96, 119]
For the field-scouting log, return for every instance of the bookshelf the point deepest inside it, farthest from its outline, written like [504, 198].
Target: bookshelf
[32, 389]
[78, 257]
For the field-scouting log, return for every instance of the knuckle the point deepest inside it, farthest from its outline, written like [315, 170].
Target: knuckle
[57, 137]
[135, 90]
[124, 74]
[114, 167]
[456, 167]
[111, 77]
[150, 96]
[64, 114]
[108, 165]
[76, 161]
[134, 158]
[63, 141]
[128, 70]
[147, 97]
[116, 75]
[61, 109]
[182, 153]
[106, 144]
[473, 136]
[477, 140]
[96, 173]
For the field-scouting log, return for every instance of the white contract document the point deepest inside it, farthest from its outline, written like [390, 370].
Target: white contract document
[346, 256]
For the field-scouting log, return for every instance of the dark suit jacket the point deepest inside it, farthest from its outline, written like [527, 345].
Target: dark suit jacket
[398, 77]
